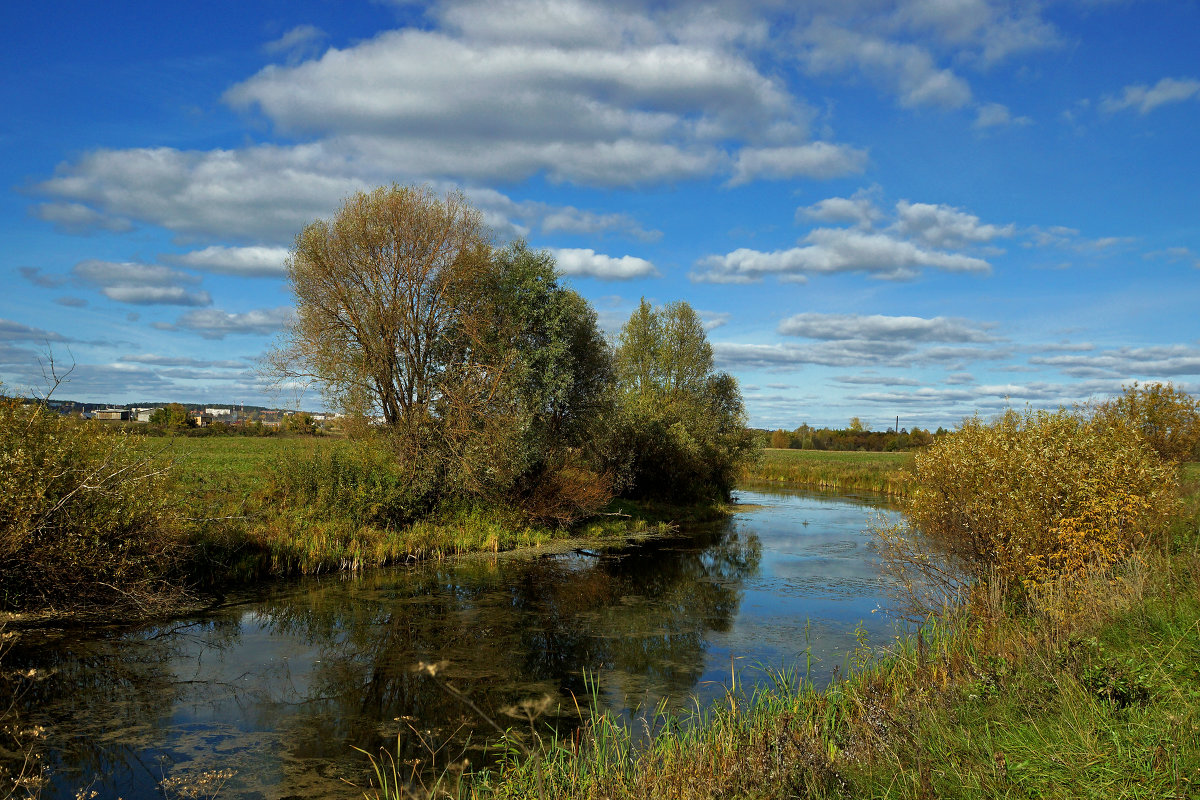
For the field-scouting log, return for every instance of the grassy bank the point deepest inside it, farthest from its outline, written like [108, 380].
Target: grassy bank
[1097, 698]
[251, 518]
[884, 473]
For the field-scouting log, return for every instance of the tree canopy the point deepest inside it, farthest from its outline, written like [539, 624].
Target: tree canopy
[493, 380]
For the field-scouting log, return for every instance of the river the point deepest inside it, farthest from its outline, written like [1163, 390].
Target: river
[281, 684]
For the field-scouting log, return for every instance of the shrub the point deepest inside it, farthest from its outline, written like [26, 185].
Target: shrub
[85, 515]
[1027, 499]
[1167, 418]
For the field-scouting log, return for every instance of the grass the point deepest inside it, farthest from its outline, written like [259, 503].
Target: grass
[247, 524]
[1098, 697]
[238, 463]
[884, 473]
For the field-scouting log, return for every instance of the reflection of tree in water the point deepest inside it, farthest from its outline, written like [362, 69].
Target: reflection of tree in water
[100, 704]
[510, 629]
[340, 669]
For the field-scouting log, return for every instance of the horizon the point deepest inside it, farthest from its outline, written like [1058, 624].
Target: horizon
[919, 208]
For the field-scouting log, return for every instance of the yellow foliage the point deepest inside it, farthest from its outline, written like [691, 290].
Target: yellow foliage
[1029, 498]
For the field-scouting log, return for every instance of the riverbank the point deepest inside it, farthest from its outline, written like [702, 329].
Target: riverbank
[882, 473]
[1096, 697]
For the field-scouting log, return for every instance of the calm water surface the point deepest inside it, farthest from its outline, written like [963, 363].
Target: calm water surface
[282, 684]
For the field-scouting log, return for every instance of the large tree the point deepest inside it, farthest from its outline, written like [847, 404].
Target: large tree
[682, 434]
[487, 372]
[384, 294]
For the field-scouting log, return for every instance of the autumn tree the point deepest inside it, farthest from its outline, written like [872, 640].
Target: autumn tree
[484, 369]
[379, 292]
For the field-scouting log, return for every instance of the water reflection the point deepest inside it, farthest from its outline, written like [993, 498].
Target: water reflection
[282, 685]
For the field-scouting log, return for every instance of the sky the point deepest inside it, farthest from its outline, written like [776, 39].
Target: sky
[922, 209]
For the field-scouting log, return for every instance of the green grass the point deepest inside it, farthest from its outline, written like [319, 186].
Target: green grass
[240, 463]
[246, 522]
[885, 473]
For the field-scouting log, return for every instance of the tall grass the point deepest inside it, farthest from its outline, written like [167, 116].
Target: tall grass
[882, 473]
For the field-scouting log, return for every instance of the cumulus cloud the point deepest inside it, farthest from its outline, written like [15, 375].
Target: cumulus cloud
[944, 226]
[585, 262]
[820, 160]
[156, 295]
[905, 69]
[264, 193]
[568, 219]
[859, 209]
[997, 115]
[249, 262]
[834, 250]
[213, 323]
[140, 284]
[877, 327]
[1145, 99]
[77, 218]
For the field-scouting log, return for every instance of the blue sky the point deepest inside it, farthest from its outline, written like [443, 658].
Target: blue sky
[921, 209]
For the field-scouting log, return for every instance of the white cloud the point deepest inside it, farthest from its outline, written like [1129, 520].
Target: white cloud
[1161, 361]
[300, 41]
[585, 262]
[213, 323]
[1147, 98]
[250, 262]
[470, 101]
[140, 284]
[877, 327]
[12, 331]
[905, 69]
[859, 209]
[820, 160]
[569, 219]
[127, 273]
[263, 193]
[997, 115]
[834, 250]
[180, 361]
[77, 218]
[156, 295]
[944, 226]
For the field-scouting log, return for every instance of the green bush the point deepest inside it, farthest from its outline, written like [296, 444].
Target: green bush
[85, 515]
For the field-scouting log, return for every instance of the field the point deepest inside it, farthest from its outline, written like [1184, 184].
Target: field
[886, 473]
[241, 463]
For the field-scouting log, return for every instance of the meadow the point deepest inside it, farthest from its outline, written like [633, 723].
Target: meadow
[883, 473]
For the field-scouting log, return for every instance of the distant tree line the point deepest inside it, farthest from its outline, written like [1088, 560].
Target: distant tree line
[853, 437]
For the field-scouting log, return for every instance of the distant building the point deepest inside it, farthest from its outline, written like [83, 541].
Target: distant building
[226, 415]
[202, 419]
[143, 414]
[111, 414]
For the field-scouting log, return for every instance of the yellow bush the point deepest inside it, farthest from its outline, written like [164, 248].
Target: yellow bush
[1167, 418]
[85, 515]
[1028, 498]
